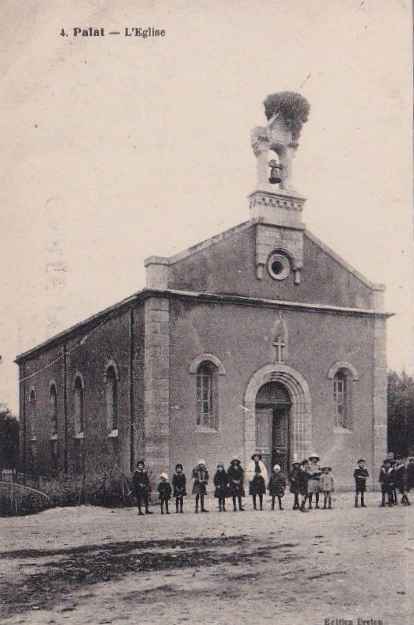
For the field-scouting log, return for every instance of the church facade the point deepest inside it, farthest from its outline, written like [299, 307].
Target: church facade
[260, 338]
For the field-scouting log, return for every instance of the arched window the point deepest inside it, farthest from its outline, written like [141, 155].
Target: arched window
[79, 406]
[111, 398]
[342, 399]
[53, 410]
[32, 414]
[207, 409]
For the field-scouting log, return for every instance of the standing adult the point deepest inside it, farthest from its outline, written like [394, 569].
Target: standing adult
[257, 477]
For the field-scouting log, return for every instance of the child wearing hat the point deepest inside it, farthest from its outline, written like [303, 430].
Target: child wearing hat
[221, 486]
[179, 483]
[294, 481]
[200, 481]
[257, 477]
[313, 483]
[141, 487]
[164, 492]
[277, 486]
[327, 484]
[360, 476]
[235, 474]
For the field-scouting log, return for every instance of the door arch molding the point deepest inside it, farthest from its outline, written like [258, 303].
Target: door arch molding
[300, 413]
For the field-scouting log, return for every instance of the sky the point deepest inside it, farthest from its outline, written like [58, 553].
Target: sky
[120, 148]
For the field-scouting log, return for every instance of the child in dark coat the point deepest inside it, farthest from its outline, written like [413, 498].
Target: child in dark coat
[294, 481]
[221, 483]
[179, 483]
[164, 491]
[235, 474]
[391, 459]
[141, 487]
[410, 474]
[303, 479]
[360, 476]
[386, 479]
[200, 477]
[400, 480]
[277, 486]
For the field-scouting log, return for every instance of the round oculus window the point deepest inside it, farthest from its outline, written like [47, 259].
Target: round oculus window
[278, 266]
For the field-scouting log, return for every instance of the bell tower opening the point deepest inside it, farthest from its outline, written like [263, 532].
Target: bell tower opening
[273, 406]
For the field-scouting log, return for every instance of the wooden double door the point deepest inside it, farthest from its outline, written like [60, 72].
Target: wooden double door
[272, 425]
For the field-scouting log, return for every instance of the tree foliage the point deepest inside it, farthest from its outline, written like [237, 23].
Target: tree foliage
[400, 413]
[9, 439]
[292, 107]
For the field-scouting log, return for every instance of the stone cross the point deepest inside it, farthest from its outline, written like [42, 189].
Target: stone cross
[279, 345]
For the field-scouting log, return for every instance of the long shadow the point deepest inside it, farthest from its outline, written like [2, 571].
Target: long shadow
[120, 547]
[92, 564]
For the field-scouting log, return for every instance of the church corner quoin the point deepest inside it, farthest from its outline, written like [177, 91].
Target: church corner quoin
[260, 338]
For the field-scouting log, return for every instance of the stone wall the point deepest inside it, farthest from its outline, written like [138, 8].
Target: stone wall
[240, 337]
[88, 352]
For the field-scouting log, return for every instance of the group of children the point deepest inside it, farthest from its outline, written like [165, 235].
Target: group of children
[307, 482]
[396, 476]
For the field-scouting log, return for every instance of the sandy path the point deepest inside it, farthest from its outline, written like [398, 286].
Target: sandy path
[91, 565]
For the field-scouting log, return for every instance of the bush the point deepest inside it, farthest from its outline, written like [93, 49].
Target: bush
[292, 107]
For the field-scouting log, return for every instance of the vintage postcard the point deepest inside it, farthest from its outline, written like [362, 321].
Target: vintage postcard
[206, 325]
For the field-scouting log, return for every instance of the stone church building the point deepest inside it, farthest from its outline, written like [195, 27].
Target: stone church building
[260, 338]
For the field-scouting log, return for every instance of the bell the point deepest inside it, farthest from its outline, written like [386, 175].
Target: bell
[275, 171]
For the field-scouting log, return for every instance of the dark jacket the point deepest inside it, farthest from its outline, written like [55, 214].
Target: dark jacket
[410, 475]
[400, 477]
[257, 484]
[361, 475]
[303, 478]
[235, 474]
[221, 481]
[164, 490]
[294, 480]
[277, 484]
[141, 484]
[179, 483]
[387, 479]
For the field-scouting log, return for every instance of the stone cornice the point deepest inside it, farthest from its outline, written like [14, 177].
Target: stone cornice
[276, 200]
[271, 303]
[140, 297]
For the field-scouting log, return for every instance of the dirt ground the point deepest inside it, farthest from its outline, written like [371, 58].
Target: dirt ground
[94, 565]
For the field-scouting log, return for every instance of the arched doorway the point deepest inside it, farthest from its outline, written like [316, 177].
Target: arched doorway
[273, 405]
[300, 412]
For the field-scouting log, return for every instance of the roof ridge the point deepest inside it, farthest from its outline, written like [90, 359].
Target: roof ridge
[341, 261]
